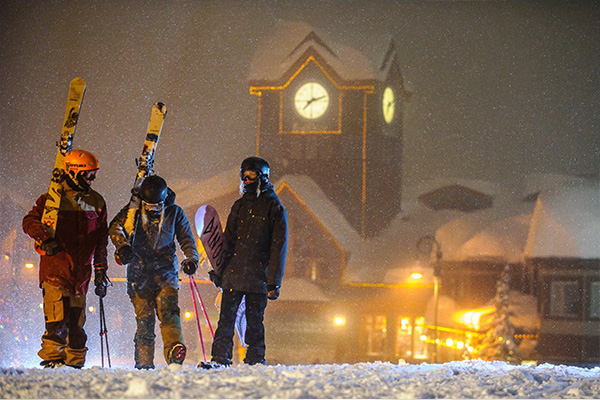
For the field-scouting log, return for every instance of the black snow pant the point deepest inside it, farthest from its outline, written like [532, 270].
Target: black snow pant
[222, 349]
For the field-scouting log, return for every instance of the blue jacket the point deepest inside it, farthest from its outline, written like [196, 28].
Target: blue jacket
[155, 263]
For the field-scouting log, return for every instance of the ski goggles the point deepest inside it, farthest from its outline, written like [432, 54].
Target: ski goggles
[249, 176]
[153, 206]
[89, 175]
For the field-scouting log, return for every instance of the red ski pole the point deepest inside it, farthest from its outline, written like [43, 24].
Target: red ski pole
[197, 318]
[202, 306]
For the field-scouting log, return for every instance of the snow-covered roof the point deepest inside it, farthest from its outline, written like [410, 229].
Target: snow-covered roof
[322, 207]
[191, 193]
[277, 53]
[423, 187]
[503, 241]
[495, 233]
[297, 289]
[535, 182]
[566, 223]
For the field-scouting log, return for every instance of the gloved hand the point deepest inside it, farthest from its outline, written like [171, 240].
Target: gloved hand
[189, 266]
[50, 247]
[215, 279]
[272, 292]
[100, 280]
[125, 254]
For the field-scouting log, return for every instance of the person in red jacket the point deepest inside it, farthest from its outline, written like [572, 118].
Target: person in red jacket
[81, 237]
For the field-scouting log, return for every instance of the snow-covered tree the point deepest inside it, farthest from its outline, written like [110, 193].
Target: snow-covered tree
[499, 342]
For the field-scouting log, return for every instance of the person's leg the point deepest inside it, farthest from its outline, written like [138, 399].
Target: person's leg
[144, 305]
[76, 349]
[222, 348]
[255, 332]
[54, 340]
[167, 307]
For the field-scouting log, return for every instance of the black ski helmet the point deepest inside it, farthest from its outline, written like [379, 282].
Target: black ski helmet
[257, 164]
[154, 189]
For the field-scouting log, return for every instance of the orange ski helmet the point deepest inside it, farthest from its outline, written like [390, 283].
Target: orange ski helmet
[80, 160]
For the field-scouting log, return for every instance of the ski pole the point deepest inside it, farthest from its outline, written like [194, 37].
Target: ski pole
[202, 306]
[103, 332]
[197, 319]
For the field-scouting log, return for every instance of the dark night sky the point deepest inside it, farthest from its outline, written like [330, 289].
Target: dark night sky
[500, 89]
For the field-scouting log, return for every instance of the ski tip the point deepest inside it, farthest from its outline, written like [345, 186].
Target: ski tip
[77, 81]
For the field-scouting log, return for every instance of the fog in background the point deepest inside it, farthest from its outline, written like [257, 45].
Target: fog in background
[500, 89]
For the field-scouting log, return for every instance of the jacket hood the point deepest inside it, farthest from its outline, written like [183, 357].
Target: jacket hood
[170, 200]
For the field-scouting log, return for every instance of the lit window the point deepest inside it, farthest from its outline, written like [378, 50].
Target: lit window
[376, 334]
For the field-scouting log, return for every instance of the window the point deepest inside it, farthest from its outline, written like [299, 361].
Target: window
[410, 341]
[376, 334]
[565, 299]
[594, 311]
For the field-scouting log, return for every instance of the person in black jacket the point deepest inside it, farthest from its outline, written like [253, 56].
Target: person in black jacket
[256, 237]
[152, 272]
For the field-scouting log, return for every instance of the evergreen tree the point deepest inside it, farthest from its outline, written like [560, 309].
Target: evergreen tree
[499, 341]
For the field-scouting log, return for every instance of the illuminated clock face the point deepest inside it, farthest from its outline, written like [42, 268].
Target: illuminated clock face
[388, 105]
[311, 100]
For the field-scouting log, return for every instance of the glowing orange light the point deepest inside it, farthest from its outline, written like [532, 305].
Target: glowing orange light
[472, 318]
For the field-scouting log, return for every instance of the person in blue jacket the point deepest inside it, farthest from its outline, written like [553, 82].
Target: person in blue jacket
[152, 270]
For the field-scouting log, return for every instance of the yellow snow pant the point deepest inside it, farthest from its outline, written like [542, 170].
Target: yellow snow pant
[64, 339]
[164, 303]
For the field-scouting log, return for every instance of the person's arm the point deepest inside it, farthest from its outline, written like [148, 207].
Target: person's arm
[116, 231]
[100, 253]
[185, 236]
[32, 222]
[279, 244]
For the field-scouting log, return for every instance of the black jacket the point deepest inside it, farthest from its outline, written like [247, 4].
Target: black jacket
[256, 238]
[155, 264]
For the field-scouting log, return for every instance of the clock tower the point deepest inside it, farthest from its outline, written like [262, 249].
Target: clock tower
[324, 111]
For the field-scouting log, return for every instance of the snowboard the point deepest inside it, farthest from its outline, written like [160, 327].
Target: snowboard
[145, 164]
[74, 102]
[210, 232]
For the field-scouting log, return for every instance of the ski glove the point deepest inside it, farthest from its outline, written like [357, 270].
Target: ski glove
[125, 255]
[50, 247]
[215, 279]
[189, 266]
[100, 280]
[272, 292]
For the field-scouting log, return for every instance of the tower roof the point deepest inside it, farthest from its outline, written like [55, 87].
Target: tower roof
[278, 53]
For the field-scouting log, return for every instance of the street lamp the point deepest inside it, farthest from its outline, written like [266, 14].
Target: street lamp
[429, 245]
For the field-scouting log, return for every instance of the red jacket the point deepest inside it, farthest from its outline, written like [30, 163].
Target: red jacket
[82, 234]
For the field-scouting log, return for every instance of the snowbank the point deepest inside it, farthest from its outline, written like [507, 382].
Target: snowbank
[467, 379]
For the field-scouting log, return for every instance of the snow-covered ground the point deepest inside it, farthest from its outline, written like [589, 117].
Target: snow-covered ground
[465, 379]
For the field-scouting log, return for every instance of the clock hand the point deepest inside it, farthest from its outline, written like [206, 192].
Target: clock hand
[312, 100]
[308, 103]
